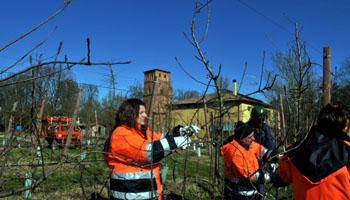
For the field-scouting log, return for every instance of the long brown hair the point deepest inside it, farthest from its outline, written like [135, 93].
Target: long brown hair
[333, 115]
[128, 112]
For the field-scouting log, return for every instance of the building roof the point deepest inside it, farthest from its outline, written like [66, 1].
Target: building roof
[156, 70]
[227, 96]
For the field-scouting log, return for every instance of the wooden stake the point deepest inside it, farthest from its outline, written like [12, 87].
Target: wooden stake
[71, 126]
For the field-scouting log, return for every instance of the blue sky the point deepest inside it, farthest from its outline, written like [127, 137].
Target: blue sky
[150, 35]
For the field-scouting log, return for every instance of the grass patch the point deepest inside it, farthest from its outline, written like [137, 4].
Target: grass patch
[188, 174]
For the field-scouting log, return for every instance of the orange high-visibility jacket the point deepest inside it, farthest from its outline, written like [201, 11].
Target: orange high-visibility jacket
[319, 167]
[241, 164]
[129, 159]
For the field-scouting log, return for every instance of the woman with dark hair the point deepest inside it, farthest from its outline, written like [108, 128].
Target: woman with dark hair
[319, 165]
[132, 152]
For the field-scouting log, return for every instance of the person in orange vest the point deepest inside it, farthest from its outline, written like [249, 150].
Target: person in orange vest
[132, 152]
[241, 165]
[318, 166]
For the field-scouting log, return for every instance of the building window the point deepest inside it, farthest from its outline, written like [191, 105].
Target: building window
[164, 75]
[275, 116]
[268, 115]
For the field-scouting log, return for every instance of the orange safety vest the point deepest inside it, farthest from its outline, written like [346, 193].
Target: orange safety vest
[241, 163]
[335, 185]
[129, 160]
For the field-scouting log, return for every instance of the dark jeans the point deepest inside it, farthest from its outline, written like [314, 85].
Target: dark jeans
[231, 189]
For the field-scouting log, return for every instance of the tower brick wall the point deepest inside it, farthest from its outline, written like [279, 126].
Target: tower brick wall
[164, 93]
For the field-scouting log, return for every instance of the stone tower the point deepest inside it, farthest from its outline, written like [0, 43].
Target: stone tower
[164, 93]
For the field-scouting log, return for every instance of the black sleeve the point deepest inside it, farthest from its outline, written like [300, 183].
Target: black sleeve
[277, 181]
[271, 154]
[175, 132]
[161, 149]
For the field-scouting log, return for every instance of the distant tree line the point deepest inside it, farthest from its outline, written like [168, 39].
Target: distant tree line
[341, 84]
[60, 92]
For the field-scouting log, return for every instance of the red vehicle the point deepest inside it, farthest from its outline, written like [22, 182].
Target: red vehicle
[55, 131]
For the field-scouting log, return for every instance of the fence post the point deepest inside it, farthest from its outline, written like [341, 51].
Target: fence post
[207, 126]
[27, 183]
[199, 152]
[38, 153]
[164, 173]
[72, 124]
[9, 128]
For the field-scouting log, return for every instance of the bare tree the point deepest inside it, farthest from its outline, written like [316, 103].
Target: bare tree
[89, 103]
[224, 82]
[47, 83]
[298, 86]
[198, 35]
[181, 94]
[341, 84]
[136, 91]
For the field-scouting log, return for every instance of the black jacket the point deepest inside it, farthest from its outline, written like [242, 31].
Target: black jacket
[321, 153]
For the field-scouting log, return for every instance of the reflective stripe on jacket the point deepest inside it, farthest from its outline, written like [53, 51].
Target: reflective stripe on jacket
[129, 159]
[240, 166]
[319, 167]
[136, 185]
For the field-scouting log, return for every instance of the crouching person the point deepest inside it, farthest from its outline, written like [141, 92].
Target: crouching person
[241, 168]
[132, 153]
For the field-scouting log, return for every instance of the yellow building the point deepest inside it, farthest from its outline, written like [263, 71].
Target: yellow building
[236, 107]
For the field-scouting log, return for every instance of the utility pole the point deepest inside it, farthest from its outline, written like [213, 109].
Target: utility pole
[326, 75]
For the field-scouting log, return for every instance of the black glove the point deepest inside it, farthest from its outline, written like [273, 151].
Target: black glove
[276, 180]
[175, 132]
[269, 177]
[261, 177]
[272, 155]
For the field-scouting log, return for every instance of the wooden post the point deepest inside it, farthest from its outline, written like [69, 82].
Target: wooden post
[207, 126]
[72, 124]
[283, 121]
[160, 118]
[153, 101]
[38, 124]
[326, 75]
[96, 124]
[9, 128]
